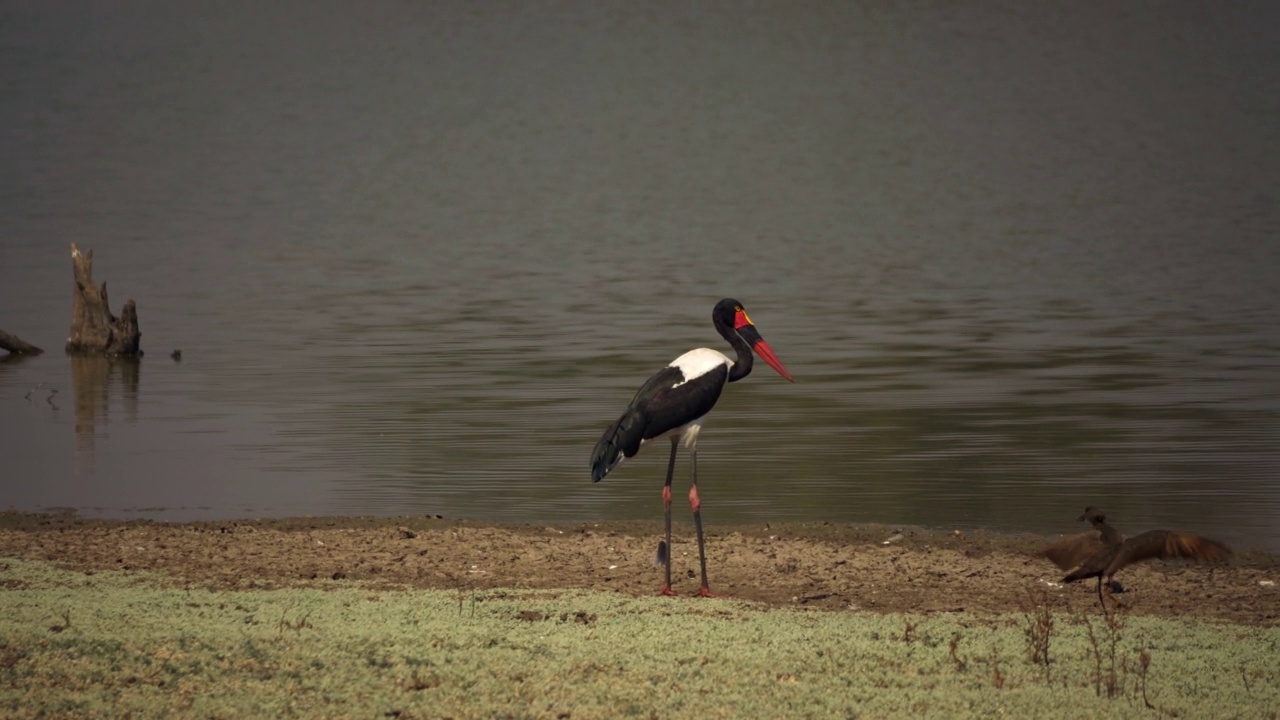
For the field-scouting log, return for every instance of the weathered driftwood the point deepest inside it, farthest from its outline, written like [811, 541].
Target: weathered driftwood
[17, 345]
[94, 330]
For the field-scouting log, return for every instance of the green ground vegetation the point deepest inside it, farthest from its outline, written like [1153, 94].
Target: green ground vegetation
[117, 644]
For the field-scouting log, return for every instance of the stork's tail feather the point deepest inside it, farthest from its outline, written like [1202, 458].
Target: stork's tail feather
[620, 441]
[604, 458]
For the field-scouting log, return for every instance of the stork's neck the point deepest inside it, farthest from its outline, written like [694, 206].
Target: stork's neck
[742, 363]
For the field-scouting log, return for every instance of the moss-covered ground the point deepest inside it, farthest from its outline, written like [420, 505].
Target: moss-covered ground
[112, 644]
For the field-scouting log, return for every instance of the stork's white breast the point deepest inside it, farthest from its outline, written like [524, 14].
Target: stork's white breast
[696, 363]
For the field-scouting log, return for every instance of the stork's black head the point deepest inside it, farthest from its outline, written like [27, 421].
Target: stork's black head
[1092, 514]
[729, 317]
[726, 312]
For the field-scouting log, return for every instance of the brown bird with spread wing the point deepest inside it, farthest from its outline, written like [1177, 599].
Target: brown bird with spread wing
[1103, 551]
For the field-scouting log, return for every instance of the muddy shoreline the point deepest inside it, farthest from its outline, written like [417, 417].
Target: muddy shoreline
[875, 568]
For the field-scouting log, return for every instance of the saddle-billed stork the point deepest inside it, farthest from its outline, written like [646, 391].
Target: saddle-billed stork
[673, 403]
[1104, 552]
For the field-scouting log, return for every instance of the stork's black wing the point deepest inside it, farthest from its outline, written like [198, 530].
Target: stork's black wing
[665, 402]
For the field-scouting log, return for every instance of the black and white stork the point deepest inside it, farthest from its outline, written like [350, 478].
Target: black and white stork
[673, 404]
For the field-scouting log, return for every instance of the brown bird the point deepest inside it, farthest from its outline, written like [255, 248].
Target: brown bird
[1103, 551]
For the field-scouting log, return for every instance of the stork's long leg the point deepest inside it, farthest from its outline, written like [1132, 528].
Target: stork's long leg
[665, 551]
[696, 504]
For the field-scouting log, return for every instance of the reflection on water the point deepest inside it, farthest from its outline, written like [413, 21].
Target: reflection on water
[95, 381]
[10, 362]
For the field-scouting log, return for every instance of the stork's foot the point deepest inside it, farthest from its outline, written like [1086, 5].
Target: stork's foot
[666, 590]
[704, 591]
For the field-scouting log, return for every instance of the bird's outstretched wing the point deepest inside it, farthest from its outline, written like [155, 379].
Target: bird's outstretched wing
[1162, 544]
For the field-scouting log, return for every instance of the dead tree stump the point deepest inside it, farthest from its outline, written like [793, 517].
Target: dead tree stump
[17, 345]
[94, 330]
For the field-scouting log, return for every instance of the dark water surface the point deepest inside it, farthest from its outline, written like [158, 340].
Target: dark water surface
[417, 257]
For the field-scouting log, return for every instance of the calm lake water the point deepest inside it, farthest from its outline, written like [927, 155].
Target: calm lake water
[418, 256]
